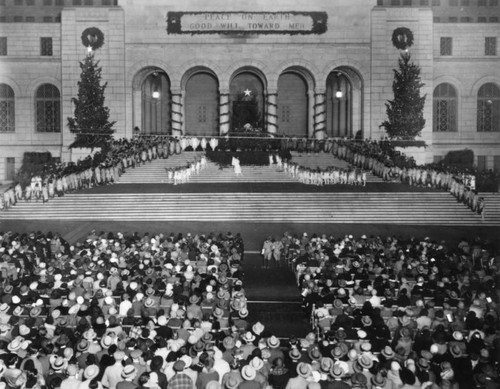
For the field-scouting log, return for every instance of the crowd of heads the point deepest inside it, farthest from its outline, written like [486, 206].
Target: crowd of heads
[170, 311]
[414, 312]
[136, 304]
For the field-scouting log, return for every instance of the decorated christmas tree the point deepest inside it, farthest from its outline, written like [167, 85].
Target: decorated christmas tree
[246, 111]
[405, 117]
[91, 118]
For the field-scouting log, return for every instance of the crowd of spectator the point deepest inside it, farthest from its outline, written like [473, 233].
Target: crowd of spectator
[161, 311]
[412, 313]
[122, 310]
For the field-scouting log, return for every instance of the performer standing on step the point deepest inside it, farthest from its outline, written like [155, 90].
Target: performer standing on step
[237, 167]
[267, 252]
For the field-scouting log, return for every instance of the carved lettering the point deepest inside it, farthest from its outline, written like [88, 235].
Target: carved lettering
[251, 22]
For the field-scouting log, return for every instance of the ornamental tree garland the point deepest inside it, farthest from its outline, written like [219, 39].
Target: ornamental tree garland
[405, 117]
[91, 118]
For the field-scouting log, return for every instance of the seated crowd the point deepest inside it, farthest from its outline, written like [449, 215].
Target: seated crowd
[403, 313]
[169, 311]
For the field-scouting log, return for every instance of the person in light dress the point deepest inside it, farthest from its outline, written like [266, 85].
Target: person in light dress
[237, 167]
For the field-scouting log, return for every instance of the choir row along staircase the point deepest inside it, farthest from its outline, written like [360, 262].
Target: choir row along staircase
[152, 199]
[155, 171]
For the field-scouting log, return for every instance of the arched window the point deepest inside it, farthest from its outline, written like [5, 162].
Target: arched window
[7, 111]
[445, 108]
[488, 108]
[48, 109]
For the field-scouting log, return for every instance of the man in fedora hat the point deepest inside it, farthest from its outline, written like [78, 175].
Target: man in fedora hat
[337, 375]
[128, 375]
[304, 373]
[58, 366]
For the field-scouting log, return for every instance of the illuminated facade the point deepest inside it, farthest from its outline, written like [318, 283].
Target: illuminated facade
[316, 68]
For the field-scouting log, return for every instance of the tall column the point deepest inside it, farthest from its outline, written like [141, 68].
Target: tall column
[223, 112]
[319, 114]
[310, 113]
[271, 112]
[177, 105]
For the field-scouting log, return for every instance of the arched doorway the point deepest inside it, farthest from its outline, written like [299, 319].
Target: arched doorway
[156, 102]
[343, 103]
[202, 105]
[152, 101]
[292, 105]
[246, 99]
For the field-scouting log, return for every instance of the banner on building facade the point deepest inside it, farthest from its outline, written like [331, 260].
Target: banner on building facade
[246, 23]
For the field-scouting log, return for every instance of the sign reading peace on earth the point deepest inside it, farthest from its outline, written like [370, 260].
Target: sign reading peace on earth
[246, 22]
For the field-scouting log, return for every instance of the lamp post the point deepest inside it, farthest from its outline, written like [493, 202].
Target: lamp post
[156, 90]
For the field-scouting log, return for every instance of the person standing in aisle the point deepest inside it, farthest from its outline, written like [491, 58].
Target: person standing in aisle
[267, 252]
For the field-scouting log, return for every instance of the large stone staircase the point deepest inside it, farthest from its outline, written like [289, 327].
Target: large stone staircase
[362, 207]
[272, 206]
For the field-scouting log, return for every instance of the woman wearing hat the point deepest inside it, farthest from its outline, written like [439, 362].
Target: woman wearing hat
[194, 309]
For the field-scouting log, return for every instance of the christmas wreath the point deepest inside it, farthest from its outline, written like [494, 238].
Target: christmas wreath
[402, 38]
[92, 37]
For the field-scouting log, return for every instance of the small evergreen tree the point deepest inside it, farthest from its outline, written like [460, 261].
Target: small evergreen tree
[405, 114]
[91, 121]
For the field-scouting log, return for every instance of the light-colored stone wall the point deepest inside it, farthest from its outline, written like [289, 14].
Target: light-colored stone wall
[346, 43]
[358, 40]
[24, 70]
[110, 56]
[466, 69]
[385, 58]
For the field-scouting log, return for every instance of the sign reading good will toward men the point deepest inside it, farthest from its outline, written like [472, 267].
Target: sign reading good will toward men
[247, 22]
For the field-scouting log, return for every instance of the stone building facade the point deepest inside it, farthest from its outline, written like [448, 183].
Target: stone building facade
[317, 68]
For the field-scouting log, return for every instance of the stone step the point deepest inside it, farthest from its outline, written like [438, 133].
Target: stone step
[405, 208]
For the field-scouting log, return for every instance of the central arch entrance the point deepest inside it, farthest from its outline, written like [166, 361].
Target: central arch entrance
[246, 98]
